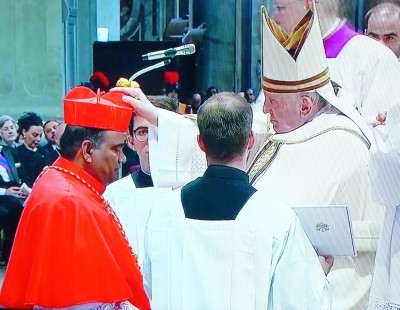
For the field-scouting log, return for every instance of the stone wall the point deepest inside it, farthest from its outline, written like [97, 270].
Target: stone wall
[31, 57]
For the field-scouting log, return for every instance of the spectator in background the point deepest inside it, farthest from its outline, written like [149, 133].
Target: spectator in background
[384, 25]
[211, 91]
[8, 131]
[51, 157]
[12, 176]
[30, 126]
[99, 81]
[171, 82]
[50, 128]
[249, 96]
[196, 101]
[58, 134]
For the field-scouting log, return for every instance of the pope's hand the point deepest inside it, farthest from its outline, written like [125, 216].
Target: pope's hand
[380, 119]
[325, 260]
[143, 107]
[326, 263]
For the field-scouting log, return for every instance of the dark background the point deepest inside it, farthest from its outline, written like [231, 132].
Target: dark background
[123, 59]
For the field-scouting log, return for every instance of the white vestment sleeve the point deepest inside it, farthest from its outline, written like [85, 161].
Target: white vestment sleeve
[380, 86]
[299, 281]
[175, 157]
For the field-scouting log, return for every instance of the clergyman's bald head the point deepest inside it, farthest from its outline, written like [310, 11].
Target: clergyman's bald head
[384, 25]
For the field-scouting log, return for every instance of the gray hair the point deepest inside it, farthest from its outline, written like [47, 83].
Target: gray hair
[5, 118]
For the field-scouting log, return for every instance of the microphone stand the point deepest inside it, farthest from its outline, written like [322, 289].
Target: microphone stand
[147, 69]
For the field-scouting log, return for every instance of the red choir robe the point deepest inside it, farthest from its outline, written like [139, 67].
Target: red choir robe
[68, 249]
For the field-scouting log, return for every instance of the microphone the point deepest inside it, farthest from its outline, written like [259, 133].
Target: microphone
[187, 49]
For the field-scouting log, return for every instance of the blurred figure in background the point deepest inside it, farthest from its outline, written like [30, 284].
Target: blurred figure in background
[249, 96]
[54, 152]
[31, 128]
[196, 101]
[8, 131]
[384, 25]
[99, 81]
[50, 128]
[211, 91]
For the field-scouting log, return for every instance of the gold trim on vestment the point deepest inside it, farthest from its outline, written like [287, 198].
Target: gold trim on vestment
[263, 160]
[268, 152]
[192, 117]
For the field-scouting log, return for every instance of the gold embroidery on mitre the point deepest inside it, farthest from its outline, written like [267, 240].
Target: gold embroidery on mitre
[263, 160]
[293, 44]
[294, 41]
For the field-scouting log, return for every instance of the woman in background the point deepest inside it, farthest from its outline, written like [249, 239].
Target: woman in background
[8, 131]
[31, 129]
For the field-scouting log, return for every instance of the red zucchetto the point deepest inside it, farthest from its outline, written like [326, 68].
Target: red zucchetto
[85, 108]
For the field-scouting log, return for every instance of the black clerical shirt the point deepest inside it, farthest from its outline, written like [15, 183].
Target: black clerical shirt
[218, 195]
[141, 179]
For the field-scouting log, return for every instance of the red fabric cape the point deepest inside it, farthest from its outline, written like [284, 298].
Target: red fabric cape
[68, 250]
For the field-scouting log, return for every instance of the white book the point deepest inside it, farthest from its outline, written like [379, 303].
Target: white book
[328, 228]
[25, 189]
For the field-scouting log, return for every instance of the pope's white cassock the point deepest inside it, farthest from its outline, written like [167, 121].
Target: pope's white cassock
[260, 260]
[132, 206]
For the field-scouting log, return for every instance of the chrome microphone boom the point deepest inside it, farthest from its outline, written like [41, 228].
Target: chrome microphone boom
[186, 49]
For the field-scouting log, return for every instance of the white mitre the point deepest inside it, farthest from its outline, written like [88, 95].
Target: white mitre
[296, 62]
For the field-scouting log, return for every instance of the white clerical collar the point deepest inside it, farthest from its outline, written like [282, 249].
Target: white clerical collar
[332, 28]
[30, 149]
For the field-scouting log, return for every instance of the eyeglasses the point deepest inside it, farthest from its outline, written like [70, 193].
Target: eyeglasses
[283, 6]
[141, 134]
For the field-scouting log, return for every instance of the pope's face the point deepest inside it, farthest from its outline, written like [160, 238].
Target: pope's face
[287, 13]
[284, 110]
[107, 159]
[386, 29]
